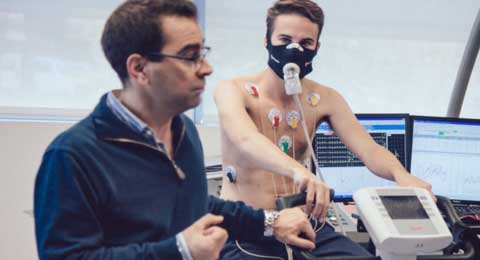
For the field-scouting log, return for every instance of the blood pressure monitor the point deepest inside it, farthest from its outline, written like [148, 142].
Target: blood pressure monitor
[402, 221]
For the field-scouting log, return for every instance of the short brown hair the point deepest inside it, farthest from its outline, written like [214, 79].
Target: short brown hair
[305, 8]
[135, 27]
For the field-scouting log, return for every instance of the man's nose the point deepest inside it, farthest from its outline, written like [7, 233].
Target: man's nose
[205, 69]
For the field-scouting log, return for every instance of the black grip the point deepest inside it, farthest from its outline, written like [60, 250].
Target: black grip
[295, 200]
[451, 217]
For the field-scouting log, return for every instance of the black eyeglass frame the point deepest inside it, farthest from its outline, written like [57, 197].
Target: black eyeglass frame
[158, 57]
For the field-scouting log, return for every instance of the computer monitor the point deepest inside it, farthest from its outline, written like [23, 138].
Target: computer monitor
[446, 153]
[342, 170]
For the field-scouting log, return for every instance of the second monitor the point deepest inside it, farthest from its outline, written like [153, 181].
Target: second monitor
[342, 170]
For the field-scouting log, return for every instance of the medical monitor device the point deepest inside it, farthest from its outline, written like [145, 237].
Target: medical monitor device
[345, 172]
[446, 153]
[402, 221]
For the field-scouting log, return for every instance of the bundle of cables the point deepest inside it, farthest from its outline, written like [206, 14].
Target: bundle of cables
[471, 219]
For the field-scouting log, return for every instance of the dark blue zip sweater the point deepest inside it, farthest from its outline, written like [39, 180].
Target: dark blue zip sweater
[102, 192]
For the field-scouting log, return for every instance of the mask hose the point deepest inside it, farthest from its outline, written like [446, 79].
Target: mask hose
[293, 87]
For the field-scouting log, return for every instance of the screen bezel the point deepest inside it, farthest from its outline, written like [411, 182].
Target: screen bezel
[412, 119]
[404, 116]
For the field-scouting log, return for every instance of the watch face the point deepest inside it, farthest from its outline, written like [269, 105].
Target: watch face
[268, 232]
[270, 217]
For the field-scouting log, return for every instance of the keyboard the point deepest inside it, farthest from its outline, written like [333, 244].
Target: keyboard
[349, 224]
[463, 210]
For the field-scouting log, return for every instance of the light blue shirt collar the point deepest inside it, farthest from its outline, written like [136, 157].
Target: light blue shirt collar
[130, 119]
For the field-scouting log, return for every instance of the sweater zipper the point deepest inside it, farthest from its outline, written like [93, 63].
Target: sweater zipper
[178, 170]
[182, 134]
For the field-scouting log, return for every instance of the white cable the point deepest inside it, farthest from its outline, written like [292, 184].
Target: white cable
[293, 157]
[256, 255]
[339, 221]
[289, 252]
[321, 227]
[316, 223]
[307, 136]
[285, 191]
[312, 154]
[275, 190]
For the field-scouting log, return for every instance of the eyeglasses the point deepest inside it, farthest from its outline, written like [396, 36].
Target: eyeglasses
[196, 60]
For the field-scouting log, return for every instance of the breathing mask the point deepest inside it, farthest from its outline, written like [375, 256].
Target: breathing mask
[280, 55]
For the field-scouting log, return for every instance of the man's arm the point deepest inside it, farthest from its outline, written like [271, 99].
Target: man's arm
[259, 152]
[241, 221]
[378, 159]
[67, 227]
[239, 129]
[245, 223]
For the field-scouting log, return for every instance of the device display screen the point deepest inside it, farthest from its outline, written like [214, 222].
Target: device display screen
[404, 207]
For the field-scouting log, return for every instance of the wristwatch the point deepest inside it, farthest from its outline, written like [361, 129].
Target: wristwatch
[270, 217]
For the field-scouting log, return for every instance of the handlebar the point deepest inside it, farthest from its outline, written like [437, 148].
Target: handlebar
[295, 200]
[445, 206]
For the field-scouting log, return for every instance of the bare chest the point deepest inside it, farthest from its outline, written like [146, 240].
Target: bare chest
[282, 124]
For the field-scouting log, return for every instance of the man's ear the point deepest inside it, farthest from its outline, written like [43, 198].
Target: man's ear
[318, 46]
[135, 68]
[265, 41]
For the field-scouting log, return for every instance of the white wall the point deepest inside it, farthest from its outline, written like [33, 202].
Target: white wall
[383, 56]
[394, 56]
[22, 146]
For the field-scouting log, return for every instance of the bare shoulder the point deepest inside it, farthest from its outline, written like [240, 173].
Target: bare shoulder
[239, 86]
[225, 89]
[234, 83]
[225, 86]
[324, 91]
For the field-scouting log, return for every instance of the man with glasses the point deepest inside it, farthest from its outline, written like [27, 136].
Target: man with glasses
[128, 181]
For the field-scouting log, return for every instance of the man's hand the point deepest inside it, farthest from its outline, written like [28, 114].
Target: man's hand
[204, 238]
[290, 224]
[318, 193]
[408, 180]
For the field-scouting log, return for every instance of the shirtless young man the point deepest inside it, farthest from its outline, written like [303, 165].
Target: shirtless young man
[263, 144]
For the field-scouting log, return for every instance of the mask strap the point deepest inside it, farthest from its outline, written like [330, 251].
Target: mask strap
[269, 41]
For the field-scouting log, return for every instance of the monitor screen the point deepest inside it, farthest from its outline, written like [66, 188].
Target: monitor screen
[342, 170]
[404, 207]
[446, 153]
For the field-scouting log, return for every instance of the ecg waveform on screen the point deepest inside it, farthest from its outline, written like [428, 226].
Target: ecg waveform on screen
[331, 152]
[396, 145]
[471, 180]
[432, 172]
